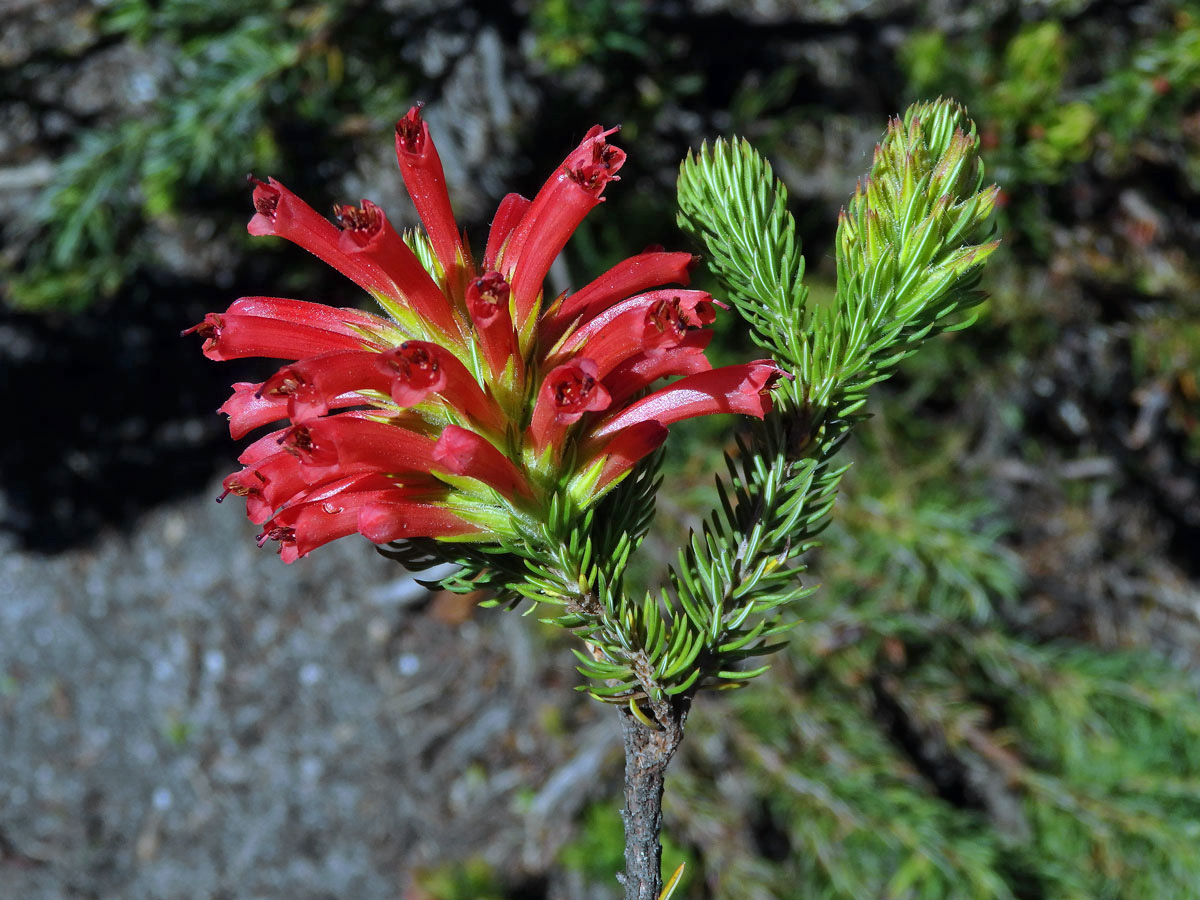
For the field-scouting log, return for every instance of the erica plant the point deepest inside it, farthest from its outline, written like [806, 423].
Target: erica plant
[476, 419]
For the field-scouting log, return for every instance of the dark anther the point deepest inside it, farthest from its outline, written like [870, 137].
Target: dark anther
[410, 131]
[368, 217]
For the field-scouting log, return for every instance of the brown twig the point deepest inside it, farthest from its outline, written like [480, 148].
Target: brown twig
[647, 754]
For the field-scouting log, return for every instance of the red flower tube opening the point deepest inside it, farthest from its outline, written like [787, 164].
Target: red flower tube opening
[569, 391]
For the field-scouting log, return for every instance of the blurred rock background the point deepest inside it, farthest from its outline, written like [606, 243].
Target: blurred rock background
[993, 693]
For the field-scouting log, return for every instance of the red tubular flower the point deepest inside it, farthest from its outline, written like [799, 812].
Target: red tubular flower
[638, 273]
[473, 405]
[318, 315]
[334, 512]
[260, 449]
[663, 310]
[639, 372]
[311, 387]
[236, 337]
[366, 232]
[487, 302]
[419, 368]
[248, 409]
[390, 518]
[281, 213]
[512, 209]
[649, 324]
[421, 168]
[737, 389]
[627, 448]
[268, 484]
[282, 329]
[570, 194]
[352, 444]
[569, 391]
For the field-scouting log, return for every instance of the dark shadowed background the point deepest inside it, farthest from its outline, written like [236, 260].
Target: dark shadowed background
[993, 693]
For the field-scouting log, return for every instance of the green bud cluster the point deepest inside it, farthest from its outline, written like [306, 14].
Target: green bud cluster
[902, 243]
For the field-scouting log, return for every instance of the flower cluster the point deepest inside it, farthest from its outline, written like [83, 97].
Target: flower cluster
[476, 399]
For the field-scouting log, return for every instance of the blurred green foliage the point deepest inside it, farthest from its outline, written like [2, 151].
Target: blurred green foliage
[1166, 358]
[912, 744]
[239, 78]
[1074, 109]
[471, 879]
[1044, 107]
[568, 32]
[599, 849]
[936, 753]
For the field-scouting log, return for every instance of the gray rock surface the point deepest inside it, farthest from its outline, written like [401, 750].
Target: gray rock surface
[183, 716]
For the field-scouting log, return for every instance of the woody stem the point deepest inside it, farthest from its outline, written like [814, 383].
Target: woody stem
[647, 754]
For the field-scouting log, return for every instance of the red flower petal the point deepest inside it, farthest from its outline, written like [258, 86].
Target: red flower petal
[366, 232]
[421, 168]
[634, 275]
[462, 452]
[508, 215]
[732, 389]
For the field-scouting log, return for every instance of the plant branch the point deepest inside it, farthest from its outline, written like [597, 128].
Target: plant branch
[648, 751]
